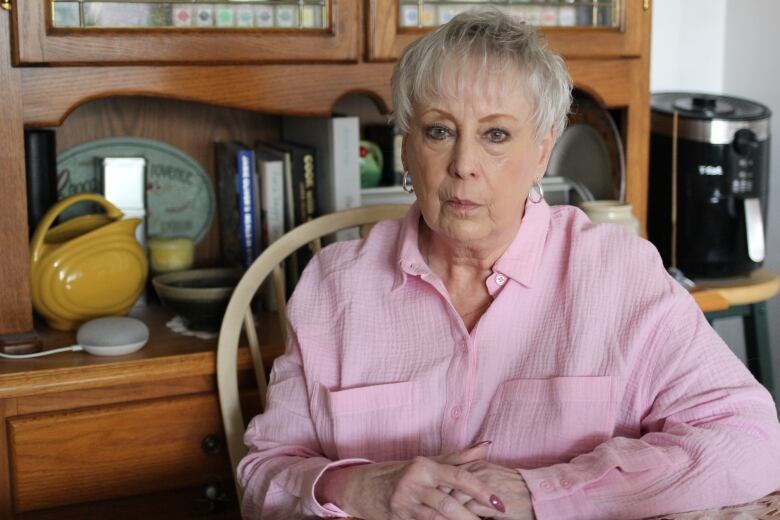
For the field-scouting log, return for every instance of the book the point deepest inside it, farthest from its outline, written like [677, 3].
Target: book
[239, 204]
[270, 172]
[269, 153]
[303, 166]
[270, 175]
[40, 152]
[300, 195]
[337, 144]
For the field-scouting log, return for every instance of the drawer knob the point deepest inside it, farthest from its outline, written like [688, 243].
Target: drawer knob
[215, 498]
[211, 444]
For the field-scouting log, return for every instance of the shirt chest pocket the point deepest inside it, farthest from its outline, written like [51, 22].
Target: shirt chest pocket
[379, 422]
[539, 422]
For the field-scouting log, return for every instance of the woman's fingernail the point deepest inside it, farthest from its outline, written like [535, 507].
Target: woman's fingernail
[497, 503]
[481, 443]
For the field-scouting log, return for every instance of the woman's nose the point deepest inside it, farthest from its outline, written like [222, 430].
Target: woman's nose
[464, 162]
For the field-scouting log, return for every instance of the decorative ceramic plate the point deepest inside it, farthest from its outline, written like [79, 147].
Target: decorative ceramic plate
[590, 150]
[179, 195]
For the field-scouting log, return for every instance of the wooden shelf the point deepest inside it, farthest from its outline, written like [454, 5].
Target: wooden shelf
[168, 355]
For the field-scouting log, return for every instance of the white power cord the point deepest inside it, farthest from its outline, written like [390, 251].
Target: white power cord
[72, 348]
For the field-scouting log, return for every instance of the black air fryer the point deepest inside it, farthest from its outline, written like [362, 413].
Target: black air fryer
[722, 170]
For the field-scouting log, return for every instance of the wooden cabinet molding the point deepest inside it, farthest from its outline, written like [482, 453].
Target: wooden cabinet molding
[51, 93]
[15, 303]
[386, 40]
[7, 409]
[37, 42]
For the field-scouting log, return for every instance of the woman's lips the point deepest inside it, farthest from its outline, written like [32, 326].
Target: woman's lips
[462, 205]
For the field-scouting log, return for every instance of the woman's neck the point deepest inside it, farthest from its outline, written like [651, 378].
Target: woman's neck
[458, 263]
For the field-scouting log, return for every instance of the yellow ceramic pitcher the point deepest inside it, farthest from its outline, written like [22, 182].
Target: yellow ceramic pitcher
[86, 267]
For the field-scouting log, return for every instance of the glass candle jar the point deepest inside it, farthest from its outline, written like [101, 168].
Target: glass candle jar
[171, 253]
[611, 211]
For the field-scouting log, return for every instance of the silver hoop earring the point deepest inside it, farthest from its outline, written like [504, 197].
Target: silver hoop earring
[538, 190]
[406, 183]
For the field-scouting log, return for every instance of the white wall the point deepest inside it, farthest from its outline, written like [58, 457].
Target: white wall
[730, 47]
[687, 45]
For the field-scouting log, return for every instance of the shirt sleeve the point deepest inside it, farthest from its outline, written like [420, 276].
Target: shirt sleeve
[285, 459]
[710, 435]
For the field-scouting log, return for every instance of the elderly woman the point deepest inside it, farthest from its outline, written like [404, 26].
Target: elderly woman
[491, 356]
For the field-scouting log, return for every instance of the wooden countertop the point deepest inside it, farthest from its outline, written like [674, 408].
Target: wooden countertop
[167, 355]
[718, 295]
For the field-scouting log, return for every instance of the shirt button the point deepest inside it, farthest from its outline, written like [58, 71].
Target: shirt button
[455, 412]
[500, 279]
[546, 485]
[565, 484]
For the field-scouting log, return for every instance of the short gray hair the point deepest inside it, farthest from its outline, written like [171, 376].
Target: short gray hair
[493, 39]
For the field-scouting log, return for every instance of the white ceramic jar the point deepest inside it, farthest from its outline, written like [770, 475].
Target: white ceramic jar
[611, 211]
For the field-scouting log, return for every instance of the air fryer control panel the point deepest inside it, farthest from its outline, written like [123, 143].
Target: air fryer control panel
[745, 147]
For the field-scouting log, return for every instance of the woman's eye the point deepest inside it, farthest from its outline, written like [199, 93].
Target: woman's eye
[437, 132]
[496, 135]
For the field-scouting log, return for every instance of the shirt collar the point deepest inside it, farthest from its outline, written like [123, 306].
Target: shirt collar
[409, 259]
[519, 262]
[521, 259]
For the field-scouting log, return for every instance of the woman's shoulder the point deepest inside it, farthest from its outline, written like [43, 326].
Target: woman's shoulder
[571, 227]
[607, 254]
[347, 255]
[611, 266]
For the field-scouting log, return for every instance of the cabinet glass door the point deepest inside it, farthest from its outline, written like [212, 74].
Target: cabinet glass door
[575, 28]
[303, 15]
[171, 31]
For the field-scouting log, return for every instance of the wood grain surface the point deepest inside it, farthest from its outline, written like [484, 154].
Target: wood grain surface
[166, 356]
[15, 303]
[7, 409]
[50, 94]
[70, 457]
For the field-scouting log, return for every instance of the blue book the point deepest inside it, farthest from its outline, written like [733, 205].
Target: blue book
[248, 204]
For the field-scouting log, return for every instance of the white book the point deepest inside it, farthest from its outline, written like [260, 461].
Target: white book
[268, 152]
[271, 177]
[337, 140]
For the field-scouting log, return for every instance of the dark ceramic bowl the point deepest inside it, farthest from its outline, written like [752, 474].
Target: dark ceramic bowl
[199, 296]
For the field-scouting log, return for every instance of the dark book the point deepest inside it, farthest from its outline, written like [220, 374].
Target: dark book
[40, 153]
[239, 204]
[337, 161]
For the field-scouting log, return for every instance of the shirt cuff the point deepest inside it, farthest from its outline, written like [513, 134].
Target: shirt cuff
[555, 496]
[328, 510]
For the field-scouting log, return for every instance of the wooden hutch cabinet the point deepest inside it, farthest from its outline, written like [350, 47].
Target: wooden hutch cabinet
[77, 429]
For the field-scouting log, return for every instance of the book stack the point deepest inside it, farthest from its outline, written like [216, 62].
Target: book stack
[271, 187]
[337, 140]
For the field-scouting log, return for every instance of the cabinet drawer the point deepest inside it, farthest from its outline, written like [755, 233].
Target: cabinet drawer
[88, 455]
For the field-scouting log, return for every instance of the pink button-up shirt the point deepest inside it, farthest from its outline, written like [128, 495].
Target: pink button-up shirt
[592, 371]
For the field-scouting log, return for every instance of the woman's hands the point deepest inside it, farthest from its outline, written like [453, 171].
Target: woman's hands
[411, 490]
[506, 483]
